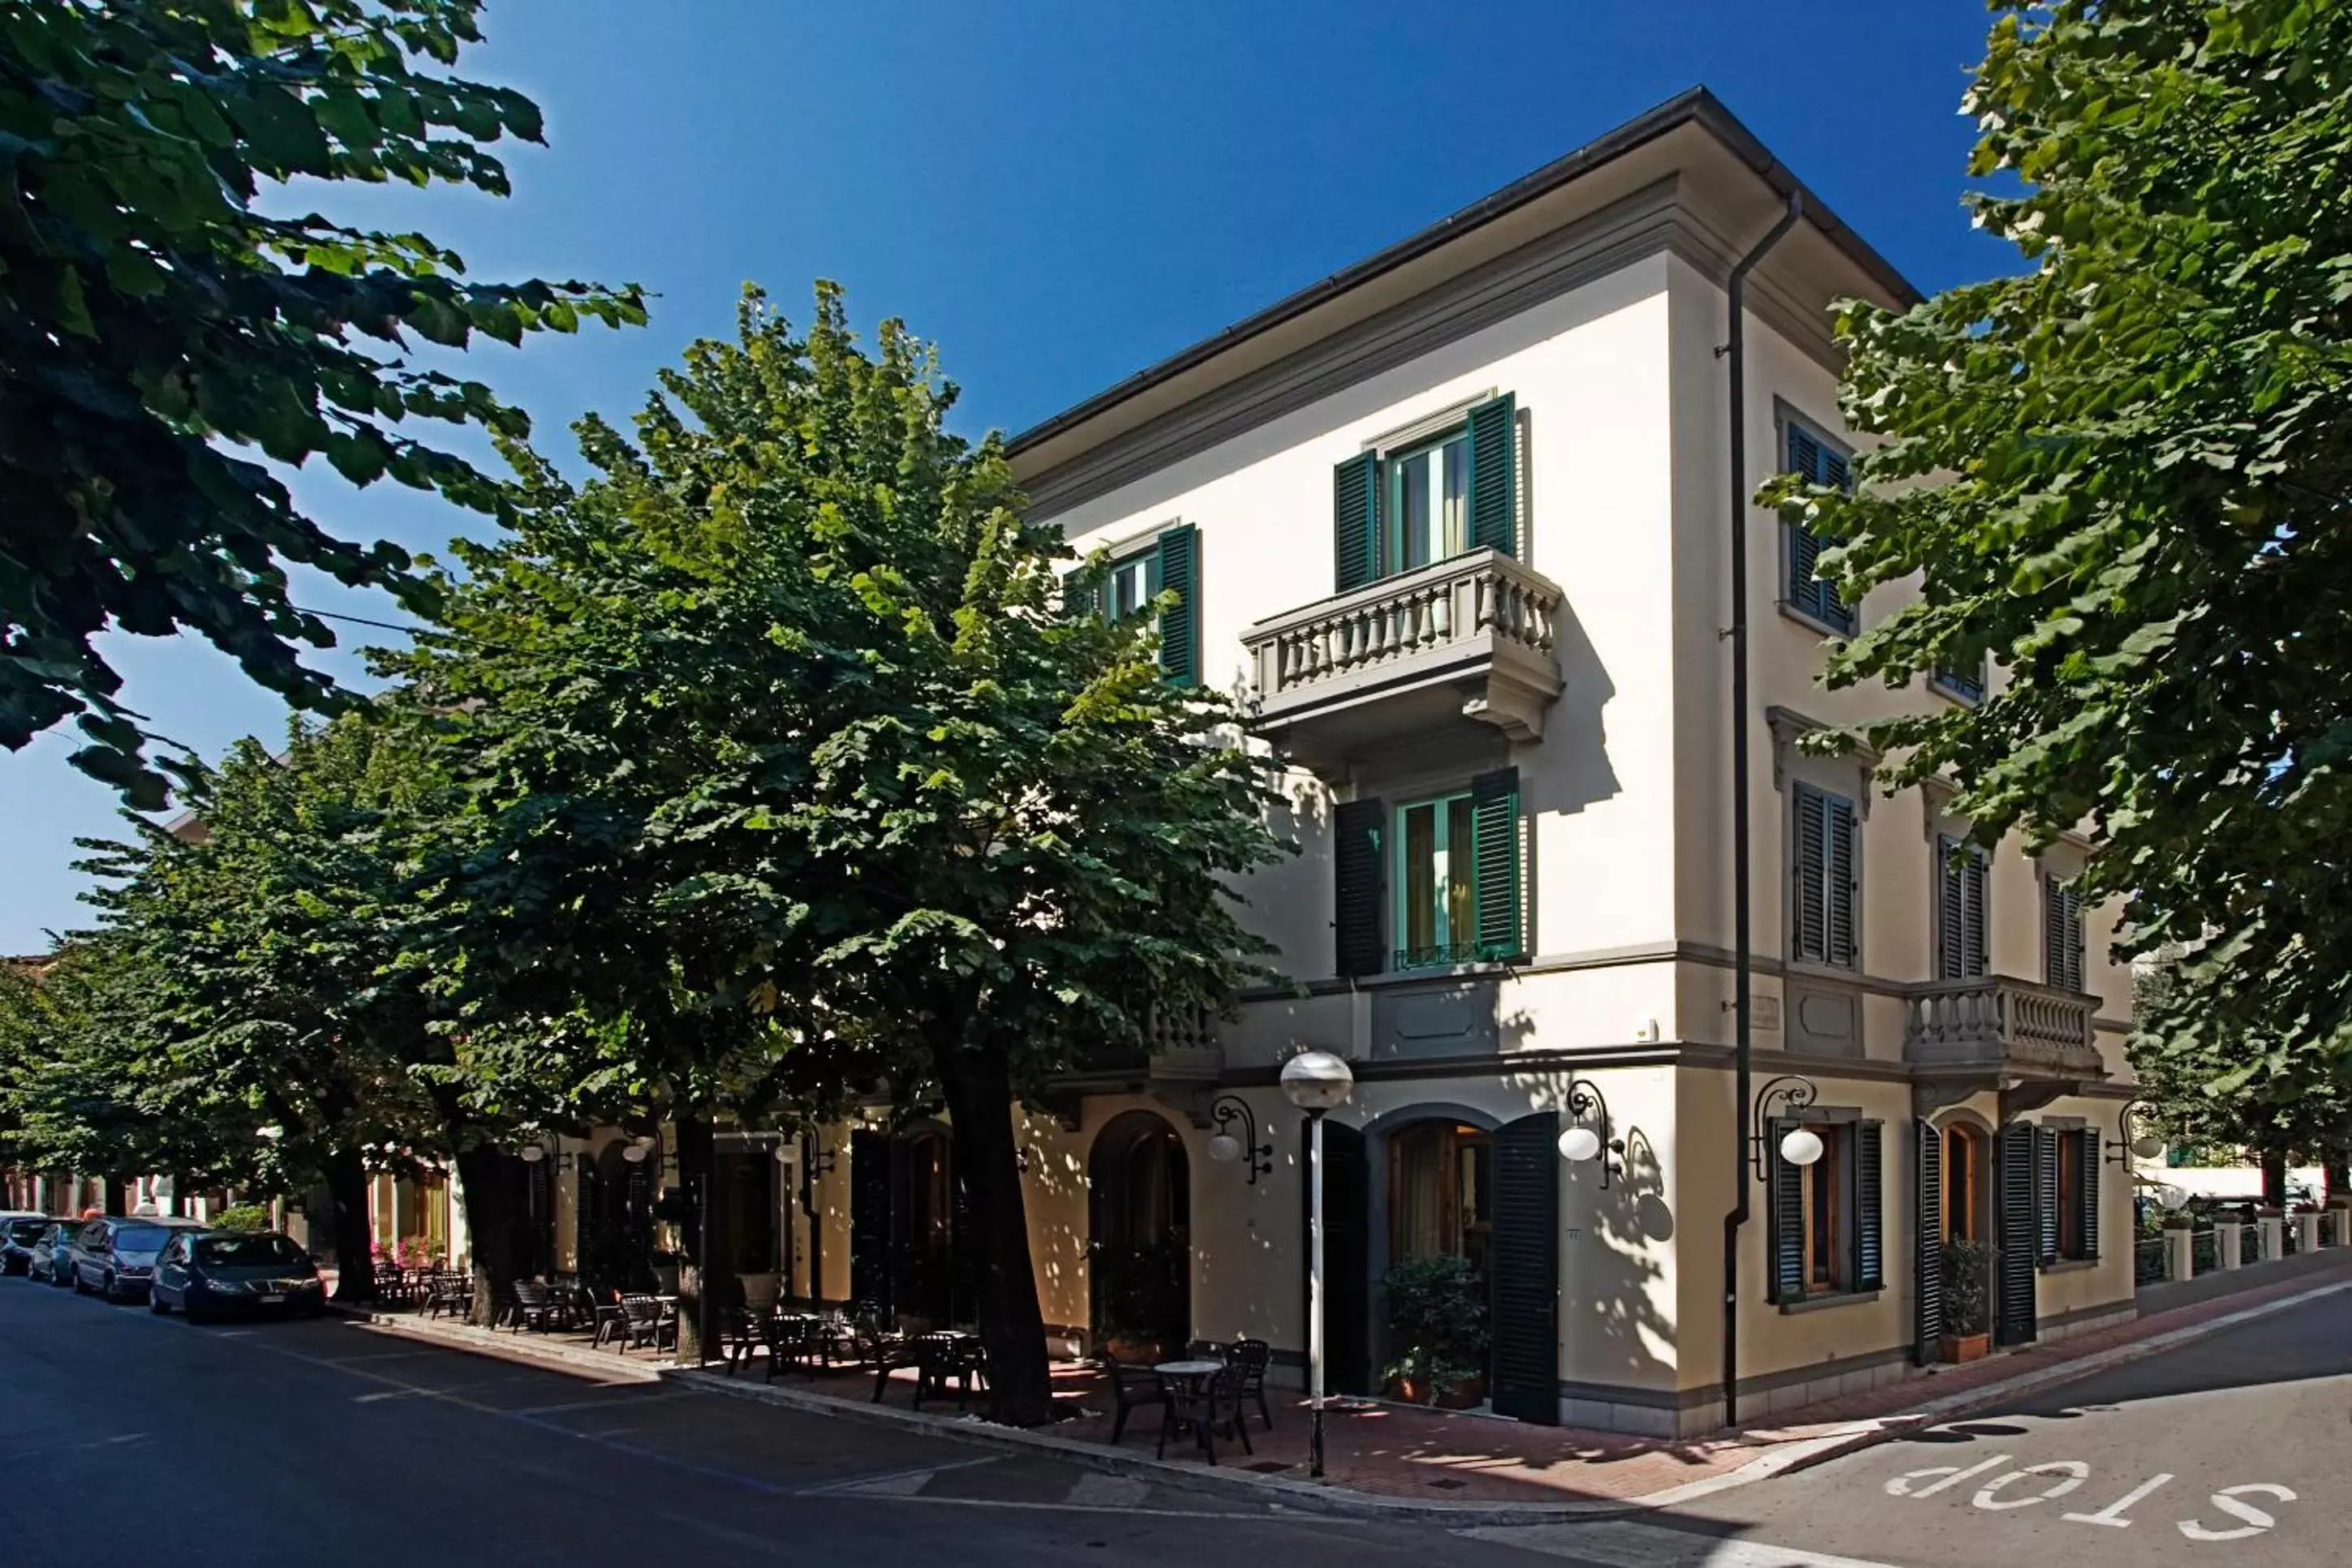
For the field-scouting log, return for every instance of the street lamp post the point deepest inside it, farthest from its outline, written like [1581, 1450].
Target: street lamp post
[1316, 1082]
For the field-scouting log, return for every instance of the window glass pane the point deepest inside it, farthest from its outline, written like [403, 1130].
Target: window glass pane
[1460, 874]
[1453, 516]
[1129, 588]
[1414, 510]
[1419, 925]
[1823, 1187]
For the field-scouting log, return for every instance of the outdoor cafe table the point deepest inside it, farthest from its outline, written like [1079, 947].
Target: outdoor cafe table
[1196, 1373]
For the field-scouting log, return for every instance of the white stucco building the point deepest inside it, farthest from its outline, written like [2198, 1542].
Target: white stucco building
[1456, 522]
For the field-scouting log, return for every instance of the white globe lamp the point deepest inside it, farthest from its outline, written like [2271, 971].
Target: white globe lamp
[1317, 1081]
[1580, 1144]
[1802, 1146]
[1224, 1149]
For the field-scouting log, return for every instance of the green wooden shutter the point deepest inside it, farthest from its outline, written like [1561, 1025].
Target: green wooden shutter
[1356, 862]
[1177, 569]
[1356, 521]
[1810, 458]
[2013, 1151]
[870, 1248]
[1784, 1219]
[1926, 1243]
[2062, 935]
[1950, 914]
[1975, 947]
[1495, 857]
[1869, 1207]
[1524, 1308]
[2045, 1196]
[1495, 475]
[2087, 1189]
[1811, 854]
[1840, 883]
[2077, 963]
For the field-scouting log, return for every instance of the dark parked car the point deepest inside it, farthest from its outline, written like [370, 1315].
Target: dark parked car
[18, 1234]
[204, 1272]
[116, 1257]
[52, 1254]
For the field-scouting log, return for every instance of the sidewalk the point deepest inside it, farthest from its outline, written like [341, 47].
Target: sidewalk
[1391, 1459]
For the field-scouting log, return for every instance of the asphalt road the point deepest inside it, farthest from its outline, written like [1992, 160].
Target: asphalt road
[125, 1437]
[2229, 1451]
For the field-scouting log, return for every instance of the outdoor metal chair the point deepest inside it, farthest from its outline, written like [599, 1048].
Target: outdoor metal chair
[646, 1322]
[940, 1356]
[1201, 1408]
[535, 1307]
[1249, 1358]
[1132, 1387]
[793, 1344]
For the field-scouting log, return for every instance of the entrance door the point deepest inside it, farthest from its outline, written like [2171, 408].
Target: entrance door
[1140, 1229]
[1347, 1236]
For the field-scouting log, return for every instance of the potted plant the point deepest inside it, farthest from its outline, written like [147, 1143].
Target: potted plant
[1437, 1331]
[1968, 1301]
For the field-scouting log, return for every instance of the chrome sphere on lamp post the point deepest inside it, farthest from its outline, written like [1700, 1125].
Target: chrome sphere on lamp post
[1316, 1082]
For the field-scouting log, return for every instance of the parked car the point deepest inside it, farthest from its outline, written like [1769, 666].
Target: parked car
[208, 1271]
[53, 1253]
[20, 1228]
[17, 1237]
[115, 1257]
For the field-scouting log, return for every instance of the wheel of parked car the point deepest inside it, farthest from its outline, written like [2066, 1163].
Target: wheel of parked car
[157, 1304]
[80, 1285]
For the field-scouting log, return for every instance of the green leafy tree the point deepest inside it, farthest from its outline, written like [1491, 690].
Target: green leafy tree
[272, 999]
[161, 329]
[790, 764]
[2125, 476]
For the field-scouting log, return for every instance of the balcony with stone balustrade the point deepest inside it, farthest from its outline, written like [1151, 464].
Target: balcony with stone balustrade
[1999, 1024]
[1467, 642]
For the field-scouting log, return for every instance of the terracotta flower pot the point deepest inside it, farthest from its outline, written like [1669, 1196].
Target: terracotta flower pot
[1463, 1395]
[1408, 1390]
[1965, 1347]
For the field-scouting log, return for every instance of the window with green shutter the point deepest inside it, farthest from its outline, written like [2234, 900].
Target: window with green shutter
[1440, 496]
[1825, 1222]
[1456, 875]
[1961, 910]
[1130, 585]
[1811, 455]
[1822, 865]
[1356, 830]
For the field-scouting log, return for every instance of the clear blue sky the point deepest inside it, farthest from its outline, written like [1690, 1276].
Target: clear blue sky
[1055, 192]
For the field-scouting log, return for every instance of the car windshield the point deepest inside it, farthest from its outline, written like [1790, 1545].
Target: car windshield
[232, 1250]
[27, 1230]
[142, 1239]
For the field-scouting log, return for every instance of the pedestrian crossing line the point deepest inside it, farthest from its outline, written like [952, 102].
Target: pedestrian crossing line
[1620, 1545]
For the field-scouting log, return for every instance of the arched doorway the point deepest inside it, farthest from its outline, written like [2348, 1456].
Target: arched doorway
[1139, 1214]
[1968, 1179]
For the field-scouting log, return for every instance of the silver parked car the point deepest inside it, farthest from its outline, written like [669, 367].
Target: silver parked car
[115, 1257]
[52, 1253]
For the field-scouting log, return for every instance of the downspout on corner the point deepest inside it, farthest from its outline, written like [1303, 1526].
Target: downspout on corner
[1735, 353]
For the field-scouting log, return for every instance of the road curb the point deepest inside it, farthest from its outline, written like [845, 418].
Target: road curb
[1785, 1459]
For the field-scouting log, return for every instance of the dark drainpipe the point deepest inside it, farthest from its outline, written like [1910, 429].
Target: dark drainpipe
[1735, 352]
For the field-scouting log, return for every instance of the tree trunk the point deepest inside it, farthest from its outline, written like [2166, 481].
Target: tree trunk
[117, 1194]
[2339, 1177]
[347, 1187]
[979, 1088]
[2274, 1178]
[696, 1166]
[486, 1184]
